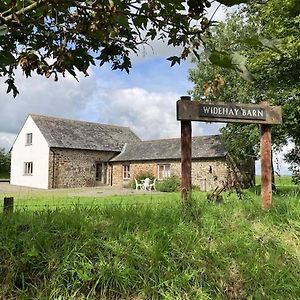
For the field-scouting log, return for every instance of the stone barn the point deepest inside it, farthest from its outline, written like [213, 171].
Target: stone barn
[52, 152]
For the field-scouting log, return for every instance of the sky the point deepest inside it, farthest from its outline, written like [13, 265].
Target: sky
[144, 100]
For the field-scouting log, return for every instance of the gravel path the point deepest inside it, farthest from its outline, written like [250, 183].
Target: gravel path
[7, 189]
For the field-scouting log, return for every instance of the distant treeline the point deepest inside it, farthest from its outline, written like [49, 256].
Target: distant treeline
[4, 161]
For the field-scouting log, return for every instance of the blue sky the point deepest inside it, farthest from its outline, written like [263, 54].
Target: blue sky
[144, 100]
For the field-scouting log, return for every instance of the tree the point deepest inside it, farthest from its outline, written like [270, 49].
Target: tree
[4, 161]
[52, 37]
[293, 157]
[268, 36]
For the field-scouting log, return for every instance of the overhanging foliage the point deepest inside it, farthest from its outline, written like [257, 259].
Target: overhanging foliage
[57, 36]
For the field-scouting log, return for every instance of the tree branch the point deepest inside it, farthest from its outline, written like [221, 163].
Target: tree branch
[23, 10]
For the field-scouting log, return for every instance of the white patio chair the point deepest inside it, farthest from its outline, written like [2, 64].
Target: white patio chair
[152, 185]
[146, 185]
[138, 185]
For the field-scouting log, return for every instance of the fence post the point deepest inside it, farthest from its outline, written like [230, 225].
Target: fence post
[8, 206]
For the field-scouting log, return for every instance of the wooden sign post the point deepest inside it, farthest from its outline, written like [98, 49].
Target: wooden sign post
[186, 156]
[262, 113]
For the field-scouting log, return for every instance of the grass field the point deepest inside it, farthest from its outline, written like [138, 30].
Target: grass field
[39, 202]
[151, 247]
[283, 180]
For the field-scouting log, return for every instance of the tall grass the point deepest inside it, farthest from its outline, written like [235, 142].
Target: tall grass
[232, 250]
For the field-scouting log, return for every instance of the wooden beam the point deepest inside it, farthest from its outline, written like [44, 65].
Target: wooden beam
[186, 157]
[266, 166]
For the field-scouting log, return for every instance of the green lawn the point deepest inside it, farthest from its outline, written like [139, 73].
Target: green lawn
[151, 247]
[283, 180]
[39, 202]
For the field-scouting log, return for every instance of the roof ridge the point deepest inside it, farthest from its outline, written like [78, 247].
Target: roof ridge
[77, 121]
[210, 146]
[171, 139]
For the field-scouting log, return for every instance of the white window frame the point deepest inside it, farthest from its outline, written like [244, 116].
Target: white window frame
[126, 172]
[28, 168]
[165, 173]
[28, 141]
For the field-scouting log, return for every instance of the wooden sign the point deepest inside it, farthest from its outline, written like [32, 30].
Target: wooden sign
[262, 113]
[228, 112]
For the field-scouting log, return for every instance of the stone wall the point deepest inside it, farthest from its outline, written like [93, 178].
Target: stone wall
[69, 168]
[135, 169]
[206, 174]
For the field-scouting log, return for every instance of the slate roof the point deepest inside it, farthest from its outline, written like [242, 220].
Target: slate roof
[65, 133]
[202, 147]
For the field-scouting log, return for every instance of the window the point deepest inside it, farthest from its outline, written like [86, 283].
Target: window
[164, 171]
[28, 139]
[28, 168]
[126, 172]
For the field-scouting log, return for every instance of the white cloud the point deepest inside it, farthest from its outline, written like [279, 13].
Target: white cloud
[151, 115]
[39, 95]
[6, 140]
[218, 12]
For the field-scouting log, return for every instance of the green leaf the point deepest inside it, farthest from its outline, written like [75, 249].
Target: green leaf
[174, 60]
[3, 30]
[269, 44]
[262, 42]
[221, 59]
[6, 58]
[126, 65]
[152, 33]
[72, 72]
[232, 2]
[234, 61]
[247, 75]
[11, 87]
[33, 252]
[239, 61]
[140, 21]
[196, 54]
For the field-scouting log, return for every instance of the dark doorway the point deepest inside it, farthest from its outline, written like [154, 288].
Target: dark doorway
[101, 171]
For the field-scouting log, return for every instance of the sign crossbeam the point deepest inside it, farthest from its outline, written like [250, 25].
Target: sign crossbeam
[228, 112]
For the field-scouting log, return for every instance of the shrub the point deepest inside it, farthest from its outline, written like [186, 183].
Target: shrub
[142, 175]
[169, 184]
